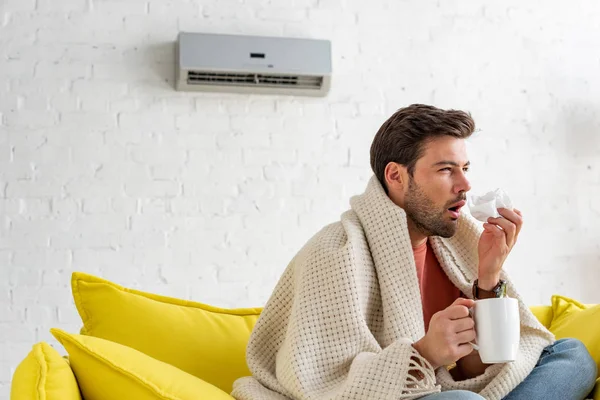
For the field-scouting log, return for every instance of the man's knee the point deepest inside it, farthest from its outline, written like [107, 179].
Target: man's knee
[579, 359]
[460, 395]
[465, 395]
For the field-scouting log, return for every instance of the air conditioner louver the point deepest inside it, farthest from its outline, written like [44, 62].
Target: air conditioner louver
[253, 64]
[258, 80]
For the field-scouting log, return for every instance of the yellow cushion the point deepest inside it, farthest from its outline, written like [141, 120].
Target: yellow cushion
[108, 370]
[543, 313]
[574, 319]
[207, 342]
[44, 375]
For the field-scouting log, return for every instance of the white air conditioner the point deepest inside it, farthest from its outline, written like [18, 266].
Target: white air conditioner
[253, 64]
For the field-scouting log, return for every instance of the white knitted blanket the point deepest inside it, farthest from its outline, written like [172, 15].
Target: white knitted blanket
[341, 320]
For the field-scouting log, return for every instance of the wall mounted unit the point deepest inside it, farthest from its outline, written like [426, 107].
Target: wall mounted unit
[253, 64]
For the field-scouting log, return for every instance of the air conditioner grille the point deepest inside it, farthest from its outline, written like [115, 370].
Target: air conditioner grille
[255, 80]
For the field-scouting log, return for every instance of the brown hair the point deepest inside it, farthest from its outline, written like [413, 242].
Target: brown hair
[402, 137]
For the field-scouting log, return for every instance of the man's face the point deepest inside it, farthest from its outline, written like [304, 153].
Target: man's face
[438, 188]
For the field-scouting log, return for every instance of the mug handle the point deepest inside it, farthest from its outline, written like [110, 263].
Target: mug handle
[475, 347]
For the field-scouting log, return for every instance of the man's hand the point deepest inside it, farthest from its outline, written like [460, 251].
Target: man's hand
[497, 240]
[449, 332]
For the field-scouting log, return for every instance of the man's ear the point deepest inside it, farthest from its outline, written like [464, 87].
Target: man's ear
[396, 177]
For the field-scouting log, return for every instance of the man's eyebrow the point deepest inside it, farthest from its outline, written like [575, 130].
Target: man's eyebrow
[454, 164]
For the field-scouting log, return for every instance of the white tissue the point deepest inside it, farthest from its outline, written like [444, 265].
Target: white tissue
[483, 207]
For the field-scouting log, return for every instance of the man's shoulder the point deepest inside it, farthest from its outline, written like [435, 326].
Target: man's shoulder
[331, 236]
[331, 255]
[337, 238]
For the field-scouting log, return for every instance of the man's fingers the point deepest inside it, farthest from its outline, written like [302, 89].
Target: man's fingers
[464, 350]
[515, 216]
[459, 309]
[494, 230]
[461, 301]
[492, 227]
[457, 312]
[463, 324]
[509, 228]
[465, 336]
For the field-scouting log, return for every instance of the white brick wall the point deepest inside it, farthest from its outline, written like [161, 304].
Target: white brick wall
[105, 168]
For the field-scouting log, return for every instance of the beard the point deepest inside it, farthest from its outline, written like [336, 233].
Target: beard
[428, 218]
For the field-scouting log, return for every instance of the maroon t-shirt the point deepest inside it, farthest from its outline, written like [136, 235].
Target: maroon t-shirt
[437, 292]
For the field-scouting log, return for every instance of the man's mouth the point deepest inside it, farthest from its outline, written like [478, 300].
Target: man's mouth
[454, 210]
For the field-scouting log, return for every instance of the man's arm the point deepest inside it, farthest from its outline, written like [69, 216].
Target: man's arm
[497, 240]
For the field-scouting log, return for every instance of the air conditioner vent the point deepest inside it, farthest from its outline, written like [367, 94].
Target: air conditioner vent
[259, 80]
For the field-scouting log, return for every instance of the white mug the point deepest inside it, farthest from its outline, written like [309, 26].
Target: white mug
[498, 329]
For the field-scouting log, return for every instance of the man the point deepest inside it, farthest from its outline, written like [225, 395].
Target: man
[372, 306]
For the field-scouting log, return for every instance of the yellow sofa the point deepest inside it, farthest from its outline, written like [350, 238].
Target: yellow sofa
[138, 345]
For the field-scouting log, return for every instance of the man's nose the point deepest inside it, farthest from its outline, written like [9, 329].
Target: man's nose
[463, 184]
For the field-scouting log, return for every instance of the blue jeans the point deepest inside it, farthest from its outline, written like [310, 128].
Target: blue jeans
[565, 371]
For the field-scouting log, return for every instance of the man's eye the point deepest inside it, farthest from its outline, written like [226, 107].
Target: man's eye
[466, 169]
[446, 169]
